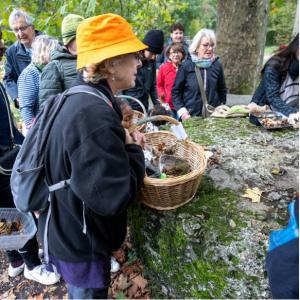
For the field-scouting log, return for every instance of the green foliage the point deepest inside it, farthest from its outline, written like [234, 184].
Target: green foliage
[281, 21]
[142, 14]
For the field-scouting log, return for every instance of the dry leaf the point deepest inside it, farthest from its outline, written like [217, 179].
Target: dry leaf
[121, 283]
[140, 281]
[253, 194]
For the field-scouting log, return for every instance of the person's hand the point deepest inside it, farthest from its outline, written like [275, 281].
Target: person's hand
[185, 116]
[135, 137]
[16, 102]
[162, 98]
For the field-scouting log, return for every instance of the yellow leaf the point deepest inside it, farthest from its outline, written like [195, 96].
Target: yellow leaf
[254, 194]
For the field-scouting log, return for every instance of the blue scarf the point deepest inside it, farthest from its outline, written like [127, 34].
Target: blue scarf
[203, 63]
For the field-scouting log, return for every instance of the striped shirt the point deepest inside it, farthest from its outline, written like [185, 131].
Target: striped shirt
[28, 93]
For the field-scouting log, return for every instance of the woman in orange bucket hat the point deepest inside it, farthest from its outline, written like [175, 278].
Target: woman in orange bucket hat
[105, 163]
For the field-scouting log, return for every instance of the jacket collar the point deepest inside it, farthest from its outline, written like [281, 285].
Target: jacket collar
[104, 88]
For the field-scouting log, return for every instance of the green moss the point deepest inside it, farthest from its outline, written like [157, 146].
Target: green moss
[163, 241]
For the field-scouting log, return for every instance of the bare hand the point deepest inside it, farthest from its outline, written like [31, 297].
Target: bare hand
[185, 116]
[135, 138]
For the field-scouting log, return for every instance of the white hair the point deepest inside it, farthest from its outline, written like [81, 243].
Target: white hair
[42, 47]
[16, 14]
[208, 33]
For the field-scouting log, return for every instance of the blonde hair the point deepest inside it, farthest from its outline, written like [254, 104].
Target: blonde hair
[42, 47]
[208, 33]
[93, 73]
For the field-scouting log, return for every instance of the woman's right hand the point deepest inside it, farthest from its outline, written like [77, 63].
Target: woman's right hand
[135, 137]
[185, 116]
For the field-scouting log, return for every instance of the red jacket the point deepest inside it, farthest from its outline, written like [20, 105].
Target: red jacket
[164, 82]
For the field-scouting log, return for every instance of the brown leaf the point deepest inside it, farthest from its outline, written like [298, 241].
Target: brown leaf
[121, 283]
[140, 281]
[136, 267]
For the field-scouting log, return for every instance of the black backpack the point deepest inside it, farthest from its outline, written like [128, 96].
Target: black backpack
[28, 179]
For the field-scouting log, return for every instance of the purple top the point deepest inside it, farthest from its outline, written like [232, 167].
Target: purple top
[90, 274]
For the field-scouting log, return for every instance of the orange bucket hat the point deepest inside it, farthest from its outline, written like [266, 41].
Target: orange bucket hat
[103, 37]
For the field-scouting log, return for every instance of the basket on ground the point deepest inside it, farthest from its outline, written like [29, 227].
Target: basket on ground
[17, 240]
[171, 193]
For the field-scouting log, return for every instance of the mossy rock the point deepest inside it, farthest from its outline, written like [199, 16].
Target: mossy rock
[214, 246]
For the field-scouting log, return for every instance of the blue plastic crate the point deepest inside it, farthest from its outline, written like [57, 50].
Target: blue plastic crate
[17, 240]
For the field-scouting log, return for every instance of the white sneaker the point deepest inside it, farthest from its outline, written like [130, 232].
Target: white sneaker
[13, 272]
[41, 275]
[114, 265]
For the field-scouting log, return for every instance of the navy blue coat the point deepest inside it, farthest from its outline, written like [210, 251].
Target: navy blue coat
[186, 91]
[282, 262]
[17, 59]
[268, 92]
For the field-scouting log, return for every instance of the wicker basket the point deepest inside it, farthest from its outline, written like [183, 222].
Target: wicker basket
[137, 116]
[170, 193]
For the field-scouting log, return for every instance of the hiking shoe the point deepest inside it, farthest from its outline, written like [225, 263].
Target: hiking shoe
[13, 272]
[114, 265]
[41, 275]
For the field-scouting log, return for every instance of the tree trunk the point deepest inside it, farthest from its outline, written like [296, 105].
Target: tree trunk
[241, 37]
[296, 23]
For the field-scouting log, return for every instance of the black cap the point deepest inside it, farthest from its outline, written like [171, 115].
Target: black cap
[154, 39]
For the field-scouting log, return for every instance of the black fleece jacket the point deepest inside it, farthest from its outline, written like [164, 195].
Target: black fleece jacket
[87, 144]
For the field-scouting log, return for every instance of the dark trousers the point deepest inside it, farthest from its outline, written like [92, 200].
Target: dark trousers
[75, 292]
[29, 253]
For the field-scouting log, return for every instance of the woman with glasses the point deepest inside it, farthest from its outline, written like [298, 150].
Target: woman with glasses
[186, 94]
[167, 73]
[88, 144]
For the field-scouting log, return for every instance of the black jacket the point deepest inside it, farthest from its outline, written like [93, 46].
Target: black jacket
[87, 144]
[5, 137]
[145, 85]
[186, 91]
[17, 59]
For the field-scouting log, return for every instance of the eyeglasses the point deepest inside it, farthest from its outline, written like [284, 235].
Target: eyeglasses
[22, 29]
[175, 52]
[206, 46]
[138, 56]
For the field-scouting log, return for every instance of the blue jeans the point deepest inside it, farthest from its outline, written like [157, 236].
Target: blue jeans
[75, 292]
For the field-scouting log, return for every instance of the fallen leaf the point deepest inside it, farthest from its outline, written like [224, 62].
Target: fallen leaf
[140, 281]
[253, 194]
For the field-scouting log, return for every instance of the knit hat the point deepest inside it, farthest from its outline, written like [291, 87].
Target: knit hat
[103, 37]
[69, 26]
[154, 39]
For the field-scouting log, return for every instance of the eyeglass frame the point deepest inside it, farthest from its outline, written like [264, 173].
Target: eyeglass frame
[22, 28]
[207, 46]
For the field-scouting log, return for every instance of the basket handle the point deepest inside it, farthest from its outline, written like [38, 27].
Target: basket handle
[136, 100]
[154, 118]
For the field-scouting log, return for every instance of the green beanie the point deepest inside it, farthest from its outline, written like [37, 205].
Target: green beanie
[69, 26]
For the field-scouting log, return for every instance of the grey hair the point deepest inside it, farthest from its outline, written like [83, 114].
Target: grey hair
[17, 13]
[42, 47]
[208, 33]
